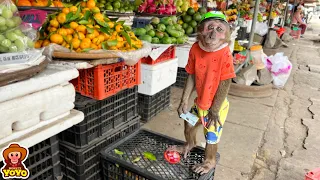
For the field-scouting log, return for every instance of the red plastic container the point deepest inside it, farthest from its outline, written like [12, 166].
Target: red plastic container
[168, 54]
[295, 34]
[104, 81]
[313, 175]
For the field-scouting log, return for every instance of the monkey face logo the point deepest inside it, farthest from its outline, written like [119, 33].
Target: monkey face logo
[13, 157]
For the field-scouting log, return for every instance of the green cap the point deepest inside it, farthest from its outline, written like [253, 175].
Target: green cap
[214, 15]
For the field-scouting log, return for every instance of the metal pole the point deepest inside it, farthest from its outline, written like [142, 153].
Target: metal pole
[285, 14]
[270, 12]
[253, 27]
[292, 11]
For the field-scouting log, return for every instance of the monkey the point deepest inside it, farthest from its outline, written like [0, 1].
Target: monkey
[210, 71]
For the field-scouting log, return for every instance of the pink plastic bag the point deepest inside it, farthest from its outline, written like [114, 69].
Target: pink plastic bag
[34, 17]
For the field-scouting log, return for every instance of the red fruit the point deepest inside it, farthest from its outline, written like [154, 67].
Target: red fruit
[172, 157]
[162, 9]
[152, 9]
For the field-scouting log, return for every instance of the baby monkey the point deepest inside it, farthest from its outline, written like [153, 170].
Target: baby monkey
[210, 70]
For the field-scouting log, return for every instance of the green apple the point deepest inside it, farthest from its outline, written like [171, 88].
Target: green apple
[11, 35]
[13, 8]
[7, 13]
[6, 43]
[17, 20]
[2, 37]
[2, 21]
[3, 28]
[13, 48]
[3, 49]
[30, 43]
[18, 32]
[10, 23]
[20, 45]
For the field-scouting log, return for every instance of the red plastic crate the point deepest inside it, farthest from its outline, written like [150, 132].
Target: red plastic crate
[168, 54]
[295, 34]
[103, 81]
[313, 175]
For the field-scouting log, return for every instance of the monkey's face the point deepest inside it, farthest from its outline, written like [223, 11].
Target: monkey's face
[14, 157]
[213, 33]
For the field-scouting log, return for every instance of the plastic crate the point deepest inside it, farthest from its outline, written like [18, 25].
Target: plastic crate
[104, 81]
[140, 22]
[43, 160]
[150, 106]
[133, 146]
[100, 117]
[296, 34]
[84, 163]
[168, 54]
[182, 76]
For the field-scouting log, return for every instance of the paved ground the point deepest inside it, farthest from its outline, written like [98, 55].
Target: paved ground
[273, 138]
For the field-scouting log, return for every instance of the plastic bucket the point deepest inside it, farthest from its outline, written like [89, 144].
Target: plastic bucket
[313, 175]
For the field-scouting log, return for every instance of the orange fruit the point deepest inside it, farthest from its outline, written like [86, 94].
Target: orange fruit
[56, 38]
[93, 46]
[54, 23]
[78, 50]
[64, 44]
[69, 38]
[61, 18]
[45, 43]
[89, 26]
[81, 28]
[120, 44]
[38, 44]
[81, 15]
[80, 35]
[106, 36]
[52, 29]
[97, 26]
[119, 28]
[62, 32]
[95, 41]
[91, 4]
[24, 3]
[99, 46]
[75, 43]
[101, 38]
[70, 31]
[83, 4]
[85, 10]
[73, 9]
[90, 36]
[111, 24]
[99, 16]
[66, 10]
[84, 45]
[120, 39]
[86, 40]
[131, 34]
[74, 25]
[96, 33]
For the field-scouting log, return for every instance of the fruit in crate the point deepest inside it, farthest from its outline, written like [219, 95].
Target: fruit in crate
[83, 28]
[189, 20]
[116, 6]
[12, 39]
[231, 14]
[162, 31]
[158, 6]
[40, 3]
[260, 17]
[182, 5]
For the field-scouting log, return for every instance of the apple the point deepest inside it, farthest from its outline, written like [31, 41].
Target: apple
[13, 8]
[20, 45]
[2, 21]
[30, 43]
[18, 32]
[13, 48]
[17, 20]
[2, 37]
[3, 28]
[10, 23]
[3, 49]
[6, 43]
[11, 36]
[7, 13]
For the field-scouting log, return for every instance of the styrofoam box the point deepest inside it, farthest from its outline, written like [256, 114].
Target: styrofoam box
[182, 53]
[26, 111]
[158, 76]
[52, 76]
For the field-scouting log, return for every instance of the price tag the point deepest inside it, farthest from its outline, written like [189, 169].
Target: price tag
[157, 50]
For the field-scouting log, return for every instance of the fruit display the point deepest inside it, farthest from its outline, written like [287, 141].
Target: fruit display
[116, 6]
[12, 39]
[190, 19]
[182, 5]
[83, 28]
[162, 31]
[231, 14]
[39, 3]
[166, 7]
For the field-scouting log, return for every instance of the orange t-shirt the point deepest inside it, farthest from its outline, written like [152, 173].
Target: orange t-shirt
[209, 68]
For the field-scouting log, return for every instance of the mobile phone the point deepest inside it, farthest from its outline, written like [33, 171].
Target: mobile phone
[190, 118]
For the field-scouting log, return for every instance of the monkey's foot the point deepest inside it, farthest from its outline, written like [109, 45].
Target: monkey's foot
[185, 149]
[204, 167]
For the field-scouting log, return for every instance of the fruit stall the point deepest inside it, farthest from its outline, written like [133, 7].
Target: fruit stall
[80, 78]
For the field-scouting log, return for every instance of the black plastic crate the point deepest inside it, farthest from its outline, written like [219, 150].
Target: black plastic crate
[182, 76]
[43, 160]
[100, 117]
[84, 164]
[133, 146]
[150, 106]
[140, 22]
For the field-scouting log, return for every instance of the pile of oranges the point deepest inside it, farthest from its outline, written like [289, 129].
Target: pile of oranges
[83, 28]
[40, 3]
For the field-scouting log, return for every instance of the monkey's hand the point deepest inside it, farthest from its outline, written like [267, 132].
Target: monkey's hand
[183, 108]
[213, 119]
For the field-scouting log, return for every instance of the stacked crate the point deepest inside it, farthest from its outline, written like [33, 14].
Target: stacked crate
[108, 97]
[157, 77]
[43, 160]
[183, 56]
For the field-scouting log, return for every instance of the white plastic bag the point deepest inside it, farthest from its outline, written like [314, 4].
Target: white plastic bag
[261, 28]
[280, 68]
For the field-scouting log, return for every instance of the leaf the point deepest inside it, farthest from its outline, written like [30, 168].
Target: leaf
[104, 45]
[90, 30]
[135, 46]
[49, 3]
[149, 156]
[86, 15]
[118, 152]
[102, 23]
[86, 49]
[83, 22]
[71, 47]
[105, 30]
[120, 22]
[117, 165]
[67, 26]
[65, 38]
[136, 159]
[125, 34]
[67, 5]
[112, 43]
[69, 16]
